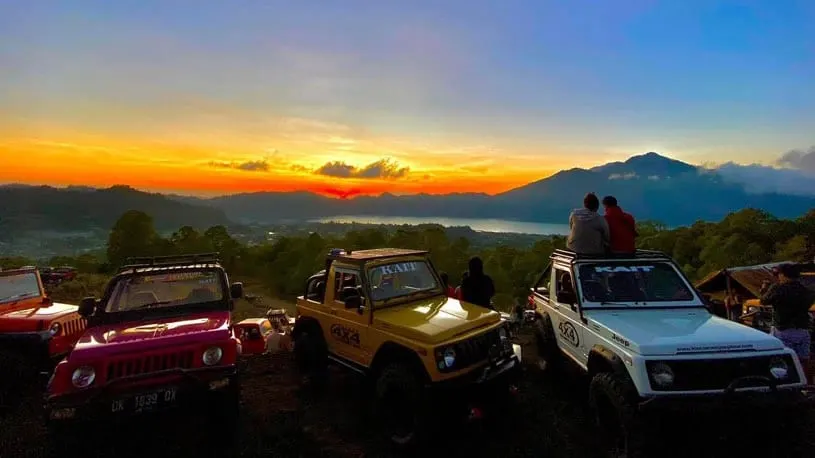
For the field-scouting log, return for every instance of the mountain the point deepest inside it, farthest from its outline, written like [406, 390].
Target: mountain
[44, 208]
[650, 186]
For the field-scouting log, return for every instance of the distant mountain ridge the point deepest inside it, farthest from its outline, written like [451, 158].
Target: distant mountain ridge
[650, 186]
[44, 208]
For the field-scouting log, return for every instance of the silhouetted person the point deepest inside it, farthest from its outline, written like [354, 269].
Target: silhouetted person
[478, 287]
[621, 225]
[588, 229]
[457, 292]
[790, 301]
[445, 284]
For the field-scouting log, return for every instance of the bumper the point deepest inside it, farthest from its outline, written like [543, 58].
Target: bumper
[32, 347]
[173, 389]
[495, 375]
[746, 401]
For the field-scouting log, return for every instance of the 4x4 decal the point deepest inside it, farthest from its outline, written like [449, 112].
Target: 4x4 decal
[569, 333]
[345, 335]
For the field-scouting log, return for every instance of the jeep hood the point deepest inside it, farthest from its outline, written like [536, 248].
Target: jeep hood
[677, 332]
[434, 320]
[28, 319]
[145, 335]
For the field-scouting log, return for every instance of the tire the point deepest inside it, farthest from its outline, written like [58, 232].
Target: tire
[549, 357]
[399, 406]
[613, 400]
[311, 355]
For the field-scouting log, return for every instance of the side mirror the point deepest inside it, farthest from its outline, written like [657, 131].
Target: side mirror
[566, 297]
[87, 306]
[236, 290]
[47, 301]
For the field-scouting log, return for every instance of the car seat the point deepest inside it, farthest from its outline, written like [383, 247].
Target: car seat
[141, 299]
[198, 295]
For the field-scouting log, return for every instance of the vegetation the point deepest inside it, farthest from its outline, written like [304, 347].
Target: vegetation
[742, 238]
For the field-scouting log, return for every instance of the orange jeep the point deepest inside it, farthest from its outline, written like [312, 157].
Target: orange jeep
[35, 332]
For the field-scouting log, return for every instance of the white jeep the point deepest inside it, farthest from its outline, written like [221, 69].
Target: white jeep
[641, 332]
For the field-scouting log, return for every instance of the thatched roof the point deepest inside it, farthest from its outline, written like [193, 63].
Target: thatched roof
[748, 278]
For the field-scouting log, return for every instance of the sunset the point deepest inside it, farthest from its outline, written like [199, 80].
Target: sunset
[459, 97]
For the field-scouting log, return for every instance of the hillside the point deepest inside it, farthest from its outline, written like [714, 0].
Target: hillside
[651, 186]
[74, 209]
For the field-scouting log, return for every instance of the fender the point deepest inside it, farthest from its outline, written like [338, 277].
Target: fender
[607, 357]
[305, 323]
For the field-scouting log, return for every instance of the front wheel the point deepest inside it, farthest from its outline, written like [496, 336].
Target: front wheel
[613, 400]
[399, 405]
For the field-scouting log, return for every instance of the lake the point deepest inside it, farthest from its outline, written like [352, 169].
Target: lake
[485, 225]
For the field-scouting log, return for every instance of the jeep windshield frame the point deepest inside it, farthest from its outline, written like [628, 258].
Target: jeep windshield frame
[640, 285]
[418, 265]
[18, 285]
[162, 308]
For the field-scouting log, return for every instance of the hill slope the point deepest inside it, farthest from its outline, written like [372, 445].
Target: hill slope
[44, 208]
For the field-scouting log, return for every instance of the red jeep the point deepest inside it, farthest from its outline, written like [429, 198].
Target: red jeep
[262, 335]
[160, 337]
[35, 332]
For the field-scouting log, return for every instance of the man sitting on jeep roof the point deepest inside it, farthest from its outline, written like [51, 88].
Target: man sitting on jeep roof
[588, 230]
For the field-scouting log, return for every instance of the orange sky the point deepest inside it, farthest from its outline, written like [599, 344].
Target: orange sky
[197, 157]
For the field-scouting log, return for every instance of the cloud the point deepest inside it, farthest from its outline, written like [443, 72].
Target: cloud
[383, 168]
[758, 179]
[248, 166]
[623, 176]
[797, 159]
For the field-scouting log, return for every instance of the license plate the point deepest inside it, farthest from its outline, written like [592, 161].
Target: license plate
[144, 401]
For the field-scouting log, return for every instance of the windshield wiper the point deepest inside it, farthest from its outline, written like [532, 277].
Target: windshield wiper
[619, 304]
[150, 304]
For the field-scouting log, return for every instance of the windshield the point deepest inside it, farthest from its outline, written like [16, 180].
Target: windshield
[16, 287]
[166, 289]
[399, 279]
[633, 283]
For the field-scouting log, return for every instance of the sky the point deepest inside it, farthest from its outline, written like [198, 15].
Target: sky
[353, 96]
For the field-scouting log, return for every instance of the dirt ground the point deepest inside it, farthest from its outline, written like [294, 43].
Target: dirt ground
[550, 418]
[280, 419]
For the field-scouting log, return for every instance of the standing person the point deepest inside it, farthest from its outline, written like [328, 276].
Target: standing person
[621, 225]
[790, 301]
[478, 287]
[457, 292]
[588, 231]
[445, 284]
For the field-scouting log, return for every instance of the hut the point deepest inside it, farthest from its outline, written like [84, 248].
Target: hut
[743, 281]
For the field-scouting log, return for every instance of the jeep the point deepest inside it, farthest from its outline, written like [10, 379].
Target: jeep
[639, 330]
[383, 313]
[262, 335]
[159, 337]
[35, 332]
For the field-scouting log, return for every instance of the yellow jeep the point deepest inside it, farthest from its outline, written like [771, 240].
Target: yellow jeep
[384, 314]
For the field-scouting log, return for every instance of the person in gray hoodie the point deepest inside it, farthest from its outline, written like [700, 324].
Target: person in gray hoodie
[588, 230]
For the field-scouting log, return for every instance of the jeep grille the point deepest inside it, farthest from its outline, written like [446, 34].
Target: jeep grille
[149, 363]
[718, 374]
[75, 326]
[475, 349]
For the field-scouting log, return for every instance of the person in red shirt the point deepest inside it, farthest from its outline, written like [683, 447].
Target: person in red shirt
[621, 225]
[445, 280]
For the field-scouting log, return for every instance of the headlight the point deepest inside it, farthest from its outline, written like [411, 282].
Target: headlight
[83, 377]
[449, 357]
[662, 375]
[212, 356]
[54, 329]
[779, 368]
[752, 309]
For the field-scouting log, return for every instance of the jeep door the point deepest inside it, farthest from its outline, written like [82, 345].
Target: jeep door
[348, 332]
[565, 314]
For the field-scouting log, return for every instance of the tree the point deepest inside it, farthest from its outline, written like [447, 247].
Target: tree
[133, 235]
